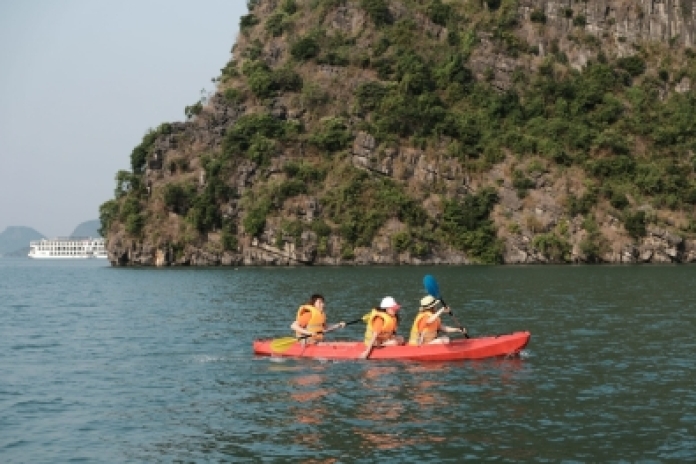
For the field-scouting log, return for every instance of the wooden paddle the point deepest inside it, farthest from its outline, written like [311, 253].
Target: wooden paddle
[433, 290]
[281, 345]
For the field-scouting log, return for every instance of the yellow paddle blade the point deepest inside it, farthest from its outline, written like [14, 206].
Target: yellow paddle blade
[280, 345]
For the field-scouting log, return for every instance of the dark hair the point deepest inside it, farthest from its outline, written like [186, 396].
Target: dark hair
[313, 299]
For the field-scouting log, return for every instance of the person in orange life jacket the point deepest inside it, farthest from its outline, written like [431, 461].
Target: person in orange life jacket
[382, 324]
[427, 324]
[311, 320]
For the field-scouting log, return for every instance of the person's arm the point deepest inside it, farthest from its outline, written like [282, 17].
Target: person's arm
[454, 329]
[297, 328]
[300, 324]
[377, 324]
[340, 325]
[368, 350]
[437, 314]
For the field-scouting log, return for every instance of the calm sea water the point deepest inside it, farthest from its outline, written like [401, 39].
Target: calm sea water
[155, 365]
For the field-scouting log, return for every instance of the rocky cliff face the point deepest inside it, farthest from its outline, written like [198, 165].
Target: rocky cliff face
[580, 30]
[618, 25]
[634, 21]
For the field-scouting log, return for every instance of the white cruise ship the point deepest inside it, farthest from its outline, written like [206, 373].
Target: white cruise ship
[67, 247]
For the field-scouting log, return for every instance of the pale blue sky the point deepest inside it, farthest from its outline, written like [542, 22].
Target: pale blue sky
[81, 81]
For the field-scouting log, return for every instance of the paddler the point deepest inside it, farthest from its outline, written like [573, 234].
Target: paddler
[311, 320]
[427, 324]
[382, 323]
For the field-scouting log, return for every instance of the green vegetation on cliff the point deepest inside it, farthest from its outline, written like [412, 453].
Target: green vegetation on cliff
[309, 79]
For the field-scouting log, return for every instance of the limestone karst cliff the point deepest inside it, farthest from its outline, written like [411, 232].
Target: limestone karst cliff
[431, 131]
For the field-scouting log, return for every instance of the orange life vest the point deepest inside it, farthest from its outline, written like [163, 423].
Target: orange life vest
[429, 332]
[316, 323]
[388, 329]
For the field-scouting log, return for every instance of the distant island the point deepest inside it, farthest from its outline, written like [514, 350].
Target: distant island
[87, 229]
[14, 240]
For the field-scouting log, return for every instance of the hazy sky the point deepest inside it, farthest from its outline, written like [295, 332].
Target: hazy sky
[81, 81]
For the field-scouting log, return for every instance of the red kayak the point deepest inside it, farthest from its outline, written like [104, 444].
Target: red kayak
[471, 348]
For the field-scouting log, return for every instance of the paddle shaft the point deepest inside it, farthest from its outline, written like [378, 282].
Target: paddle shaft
[451, 313]
[330, 329]
[456, 321]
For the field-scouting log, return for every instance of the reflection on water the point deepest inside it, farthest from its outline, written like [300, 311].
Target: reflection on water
[308, 391]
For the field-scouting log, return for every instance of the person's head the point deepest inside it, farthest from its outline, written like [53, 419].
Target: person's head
[390, 305]
[317, 301]
[427, 303]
